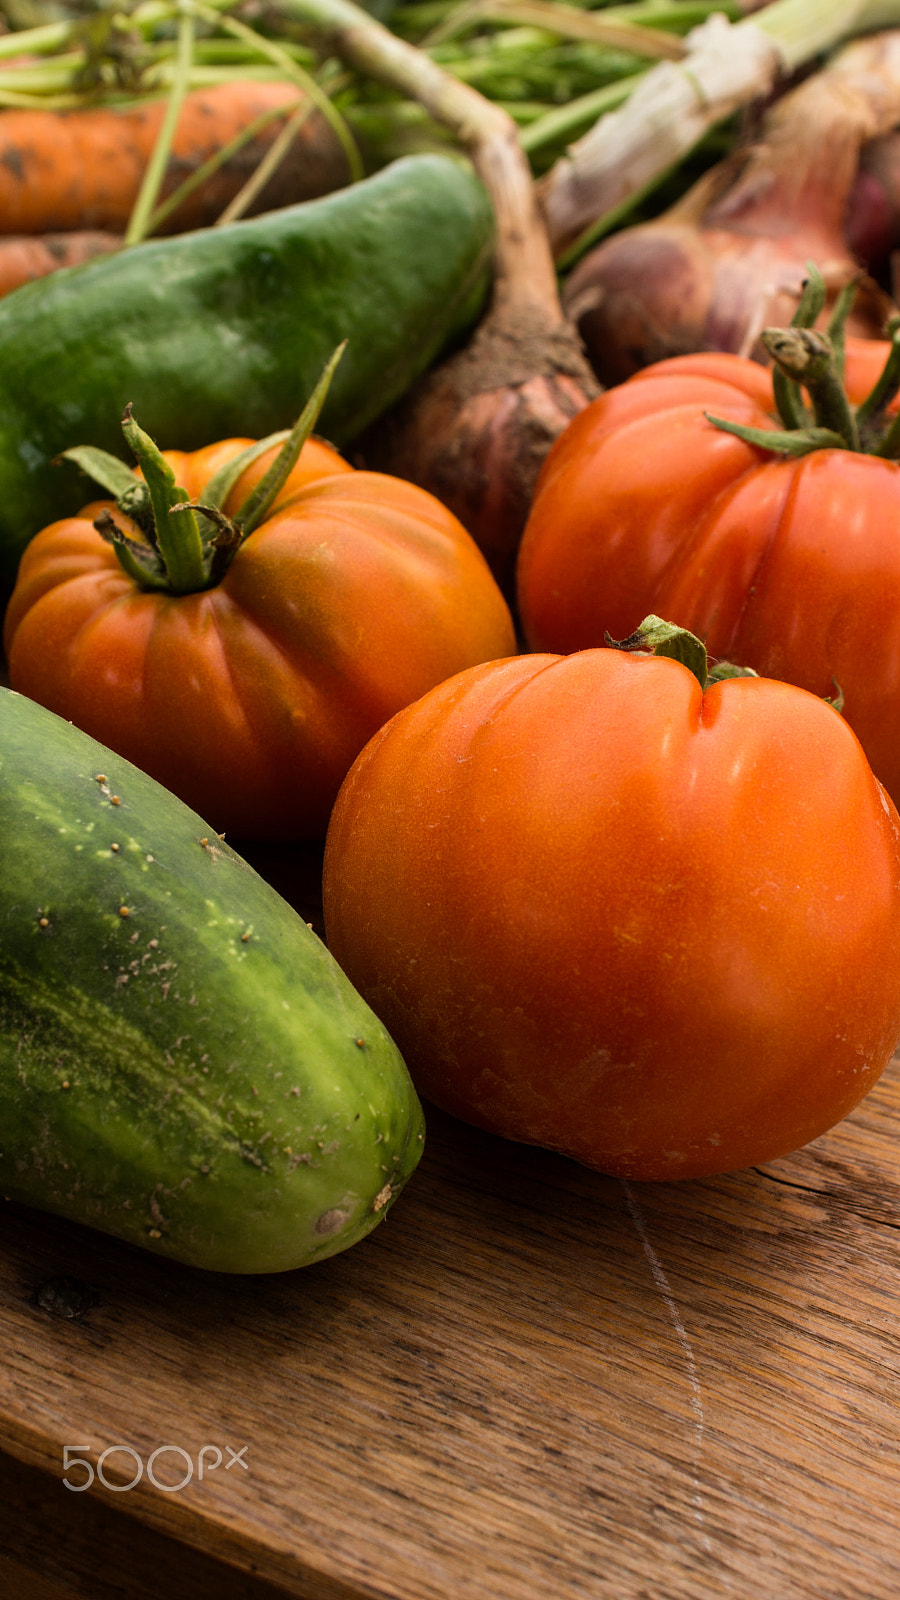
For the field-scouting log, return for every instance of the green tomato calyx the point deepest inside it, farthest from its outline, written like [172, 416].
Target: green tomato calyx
[657, 637]
[808, 382]
[186, 546]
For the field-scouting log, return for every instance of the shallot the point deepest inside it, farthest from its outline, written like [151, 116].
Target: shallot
[730, 257]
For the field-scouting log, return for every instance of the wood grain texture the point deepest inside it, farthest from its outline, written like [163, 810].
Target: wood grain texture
[532, 1381]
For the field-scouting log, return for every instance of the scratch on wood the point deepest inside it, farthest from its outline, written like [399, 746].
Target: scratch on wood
[696, 1396]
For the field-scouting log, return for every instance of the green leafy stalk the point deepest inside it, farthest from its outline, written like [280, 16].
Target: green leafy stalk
[159, 158]
[222, 482]
[782, 441]
[267, 166]
[212, 165]
[256, 507]
[803, 29]
[552, 16]
[178, 538]
[295, 73]
[105, 469]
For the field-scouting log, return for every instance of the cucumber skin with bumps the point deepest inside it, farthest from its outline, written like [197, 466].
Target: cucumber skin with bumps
[182, 1062]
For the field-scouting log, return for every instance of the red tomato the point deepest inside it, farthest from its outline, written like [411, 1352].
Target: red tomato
[251, 699]
[789, 566]
[603, 911]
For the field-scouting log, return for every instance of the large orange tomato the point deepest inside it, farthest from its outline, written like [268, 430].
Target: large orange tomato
[250, 696]
[604, 911]
[790, 565]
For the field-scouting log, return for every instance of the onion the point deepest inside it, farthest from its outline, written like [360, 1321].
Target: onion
[872, 221]
[476, 430]
[729, 258]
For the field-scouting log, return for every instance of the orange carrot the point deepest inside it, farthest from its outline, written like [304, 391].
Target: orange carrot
[23, 257]
[67, 170]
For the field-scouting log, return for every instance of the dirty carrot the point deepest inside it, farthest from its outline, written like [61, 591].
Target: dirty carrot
[28, 256]
[82, 169]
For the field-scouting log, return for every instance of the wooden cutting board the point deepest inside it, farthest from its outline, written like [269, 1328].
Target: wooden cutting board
[531, 1383]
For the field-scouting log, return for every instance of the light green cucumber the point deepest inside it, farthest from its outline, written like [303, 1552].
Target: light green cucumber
[182, 1062]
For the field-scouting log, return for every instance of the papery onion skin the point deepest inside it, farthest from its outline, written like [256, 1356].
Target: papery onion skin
[671, 287]
[730, 256]
[475, 432]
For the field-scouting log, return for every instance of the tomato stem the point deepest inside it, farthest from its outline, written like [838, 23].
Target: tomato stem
[837, 326]
[657, 637]
[187, 545]
[788, 394]
[787, 441]
[178, 538]
[807, 357]
[258, 503]
[810, 362]
[889, 446]
[870, 414]
[132, 558]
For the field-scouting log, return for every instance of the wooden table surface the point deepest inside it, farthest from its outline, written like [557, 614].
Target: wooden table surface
[531, 1383]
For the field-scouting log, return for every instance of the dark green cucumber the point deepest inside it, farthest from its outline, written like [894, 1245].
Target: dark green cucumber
[226, 330]
[182, 1063]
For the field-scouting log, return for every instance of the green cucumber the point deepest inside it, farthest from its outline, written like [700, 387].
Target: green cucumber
[226, 331]
[182, 1062]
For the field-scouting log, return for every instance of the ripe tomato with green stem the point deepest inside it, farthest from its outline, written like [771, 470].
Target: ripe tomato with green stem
[610, 905]
[760, 509]
[247, 620]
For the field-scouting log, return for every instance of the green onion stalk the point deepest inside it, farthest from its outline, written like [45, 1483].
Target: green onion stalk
[592, 188]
